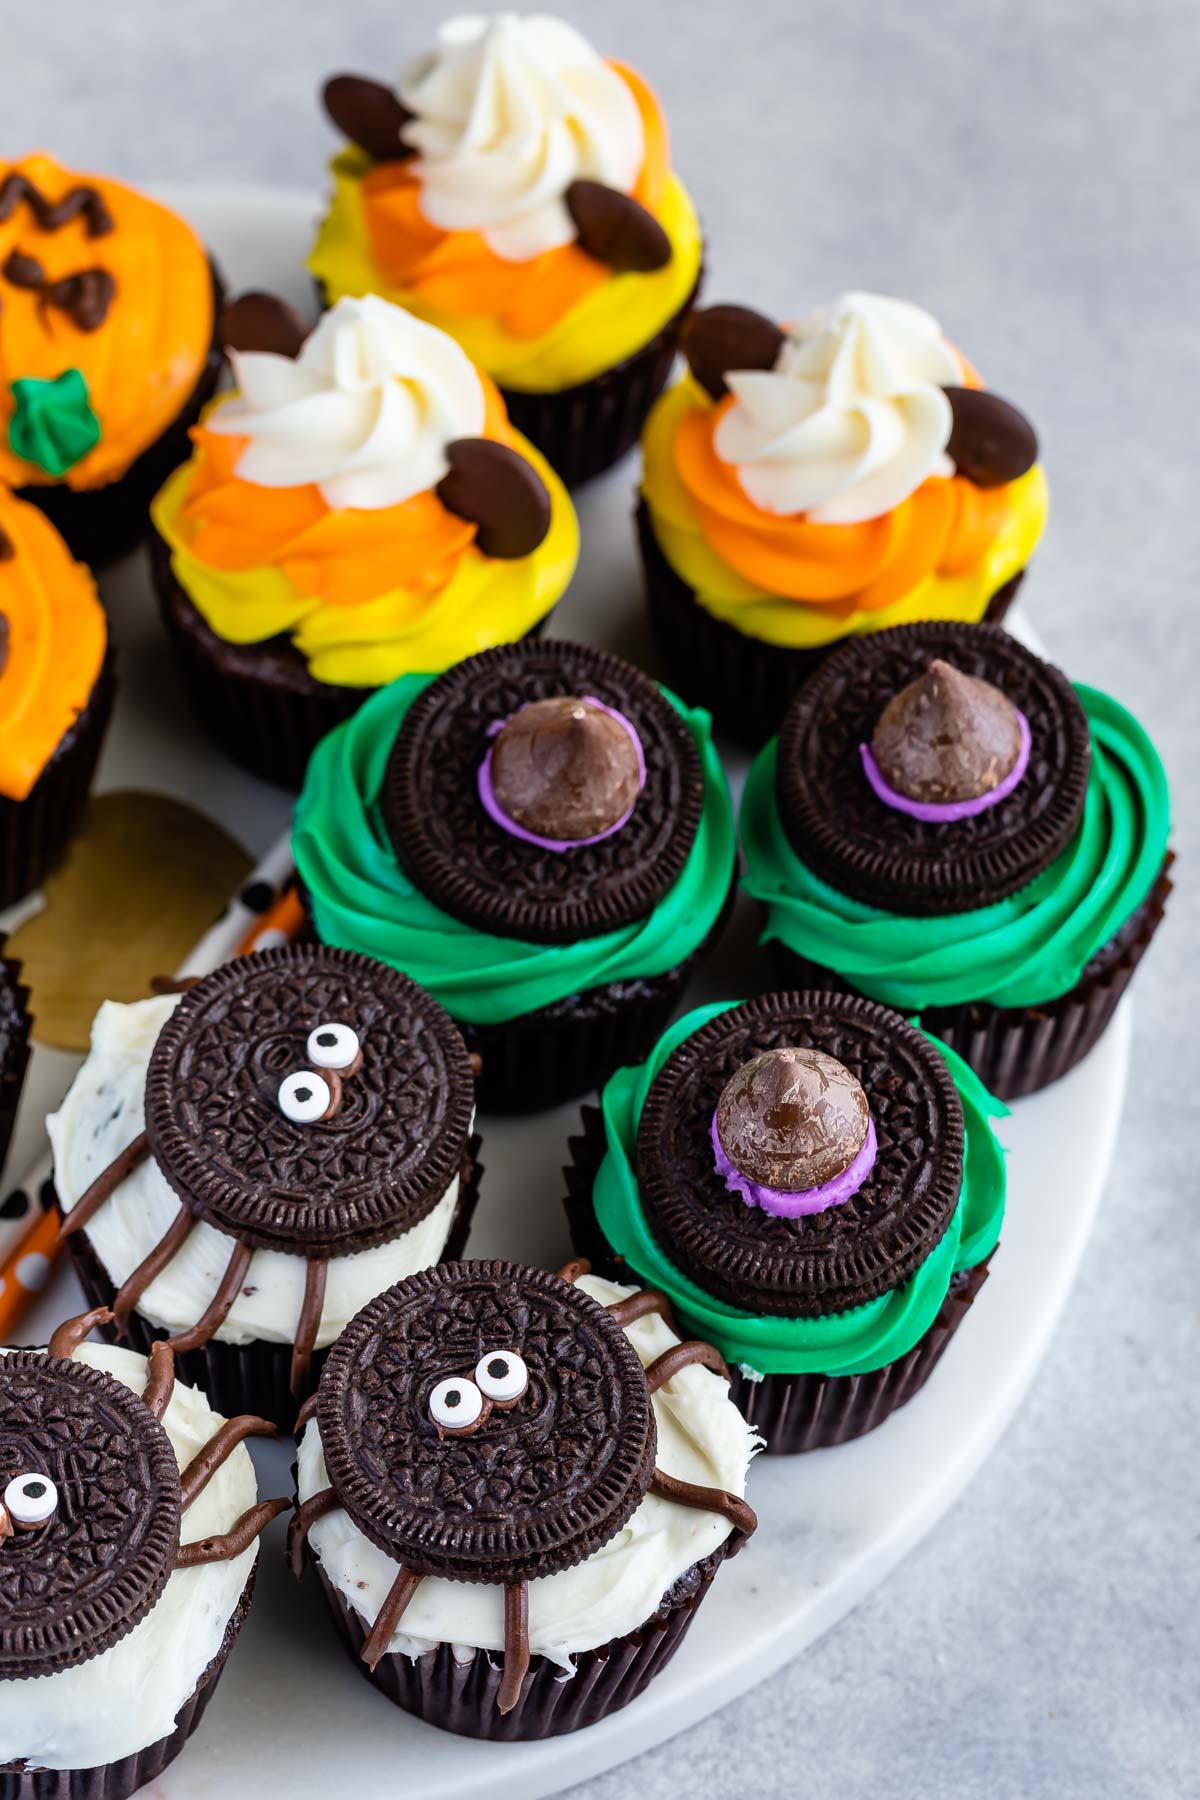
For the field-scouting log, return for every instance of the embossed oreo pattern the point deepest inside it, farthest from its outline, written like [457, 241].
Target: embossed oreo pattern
[829, 1261]
[880, 855]
[539, 1486]
[368, 1173]
[78, 1584]
[483, 874]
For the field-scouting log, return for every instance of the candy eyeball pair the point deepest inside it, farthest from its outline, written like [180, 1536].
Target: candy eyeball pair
[305, 1096]
[458, 1404]
[30, 1500]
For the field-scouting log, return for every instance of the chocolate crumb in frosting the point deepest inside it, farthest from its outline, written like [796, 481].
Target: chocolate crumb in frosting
[792, 1119]
[565, 769]
[947, 737]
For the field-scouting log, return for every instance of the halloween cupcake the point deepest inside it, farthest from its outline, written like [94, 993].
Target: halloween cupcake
[516, 1489]
[818, 481]
[515, 189]
[107, 349]
[815, 1187]
[946, 824]
[241, 1167]
[129, 1523]
[542, 838]
[360, 509]
[56, 694]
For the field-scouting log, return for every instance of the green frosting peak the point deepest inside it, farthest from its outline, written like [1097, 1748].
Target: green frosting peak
[53, 424]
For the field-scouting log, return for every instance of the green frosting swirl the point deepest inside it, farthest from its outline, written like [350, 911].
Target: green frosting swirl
[1020, 951]
[846, 1343]
[53, 424]
[362, 900]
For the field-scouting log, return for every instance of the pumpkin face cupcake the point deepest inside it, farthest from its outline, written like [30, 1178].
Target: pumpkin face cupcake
[542, 838]
[814, 1185]
[240, 1168]
[820, 481]
[56, 694]
[360, 509]
[515, 189]
[107, 349]
[946, 824]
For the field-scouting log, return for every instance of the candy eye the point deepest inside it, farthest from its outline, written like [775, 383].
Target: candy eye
[332, 1046]
[304, 1097]
[30, 1499]
[502, 1376]
[455, 1404]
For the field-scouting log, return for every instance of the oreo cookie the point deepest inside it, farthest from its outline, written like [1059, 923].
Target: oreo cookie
[496, 879]
[309, 1100]
[486, 1422]
[827, 1261]
[880, 853]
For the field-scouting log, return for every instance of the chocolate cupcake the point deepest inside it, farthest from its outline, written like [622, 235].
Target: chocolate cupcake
[814, 1185]
[542, 838]
[109, 350]
[515, 189]
[809, 483]
[242, 1166]
[129, 1524]
[947, 825]
[516, 1488]
[15, 1025]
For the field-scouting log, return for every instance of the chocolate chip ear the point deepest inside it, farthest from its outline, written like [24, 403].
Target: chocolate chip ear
[501, 493]
[258, 321]
[990, 441]
[369, 114]
[717, 339]
[616, 229]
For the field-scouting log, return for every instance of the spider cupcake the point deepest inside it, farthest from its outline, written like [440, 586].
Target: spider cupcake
[241, 1167]
[129, 1526]
[819, 481]
[515, 189]
[516, 1489]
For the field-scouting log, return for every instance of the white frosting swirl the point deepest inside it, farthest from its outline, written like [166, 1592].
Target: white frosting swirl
[510, 110]
[852, 418]
[365, 411]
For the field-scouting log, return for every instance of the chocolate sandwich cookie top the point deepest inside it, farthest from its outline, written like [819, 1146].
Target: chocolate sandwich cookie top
[309, 1100]
[89, 1493]
[932, 768]
[873, 1230]
[545, 822]
[486, 1422]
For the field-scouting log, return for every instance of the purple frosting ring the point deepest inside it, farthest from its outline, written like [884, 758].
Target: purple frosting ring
[798, 1204]
[945, 814]
[492, 807]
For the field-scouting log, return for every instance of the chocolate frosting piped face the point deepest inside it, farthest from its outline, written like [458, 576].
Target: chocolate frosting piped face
[792, 1119]
[369, 114]
[719, 339]
[617, 229]
[947, 737]
[565, 769]
[990, 441]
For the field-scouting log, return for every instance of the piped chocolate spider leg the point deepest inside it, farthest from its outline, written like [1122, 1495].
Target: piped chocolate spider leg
[160, 1383]
[303, 1520]
[220, 1446]
[684, 1356]
[705, 1499]
[231, 1543]
[217, 1310]
[171, 984]
[571, 1271]
[516, 1644]
[309, 1322]
[105, 1184]
[636, 1306]
[70, 1334]
[389, 1616]
[135, 1285]
[306, 1414]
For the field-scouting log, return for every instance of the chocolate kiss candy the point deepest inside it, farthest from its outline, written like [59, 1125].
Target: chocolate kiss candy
[369, 114]
[258, 321]
[990, 441]
[616, 229]
[792, 1119]
[946, 737]
[720, 338]
[564, 769]
[496, 489]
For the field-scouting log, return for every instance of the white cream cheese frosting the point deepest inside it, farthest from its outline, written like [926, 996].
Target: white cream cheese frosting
[851, 419]
[365, 411]
[509, 110]
[702, 1438]
[127, 1697]
[104, 1111]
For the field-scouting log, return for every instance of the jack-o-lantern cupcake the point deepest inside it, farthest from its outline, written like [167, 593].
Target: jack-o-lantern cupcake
[240, 1167]
[515, 188]
[817, 481]
[56, 694]
[107, 349]
[360, 509]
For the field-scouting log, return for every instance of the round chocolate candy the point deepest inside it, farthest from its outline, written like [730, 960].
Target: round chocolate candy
[947, 736]
[616, 229]
[500, 492]
[792, 1119]
[719, 340]
[565, 769]
[990, 441]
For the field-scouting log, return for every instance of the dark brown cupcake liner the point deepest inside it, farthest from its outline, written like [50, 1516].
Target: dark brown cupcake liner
[744, 682]
[1018, 1050]
[15, 1024]
[244, 1378]
[117, 1780]
[35, 832]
